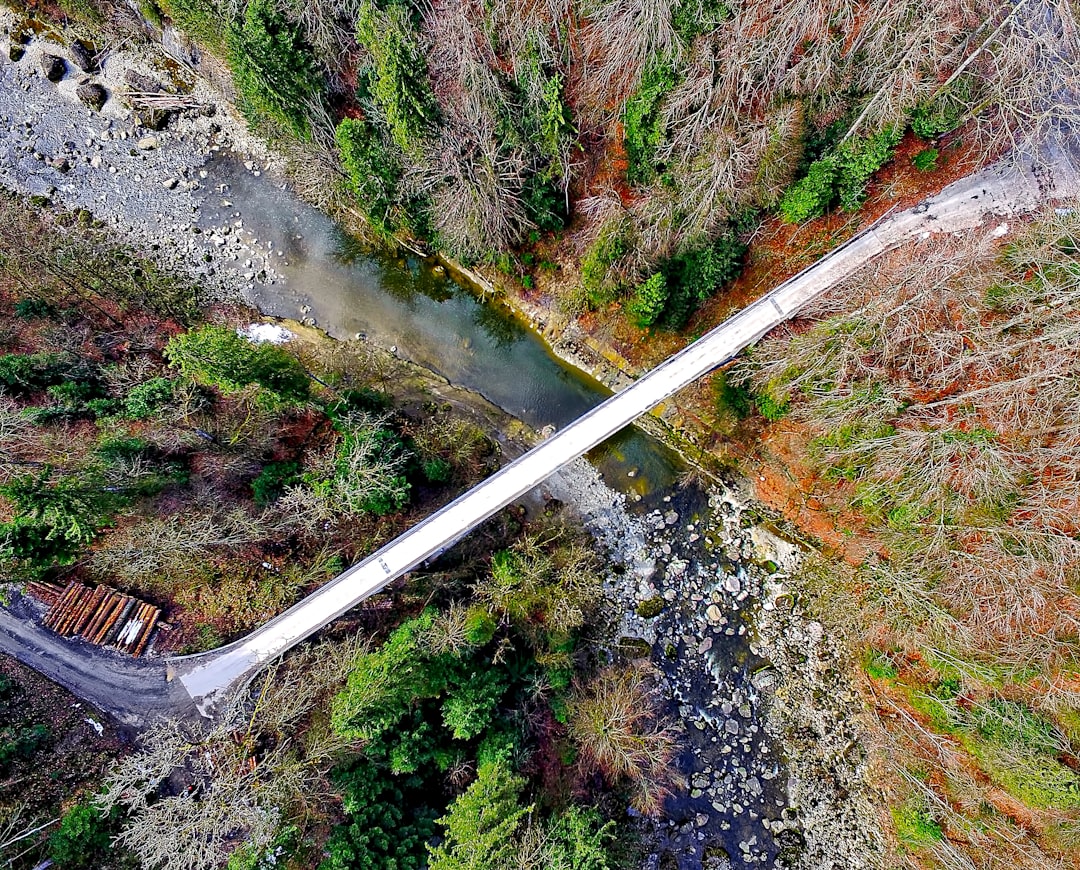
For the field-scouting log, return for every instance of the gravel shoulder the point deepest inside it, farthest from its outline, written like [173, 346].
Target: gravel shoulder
[132, 691]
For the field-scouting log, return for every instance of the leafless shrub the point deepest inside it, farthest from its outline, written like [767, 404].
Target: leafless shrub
[449, 631]
[166, 544]
[620, 39]
[18, 438]
[475, 181]
[329, 27]
[314, 164]
[614, 722]
[946, 391]
[248, 771]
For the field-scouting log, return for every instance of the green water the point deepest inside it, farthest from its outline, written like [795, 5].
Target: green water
[411, 305]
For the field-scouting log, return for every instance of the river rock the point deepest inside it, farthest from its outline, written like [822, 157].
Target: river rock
[92, 95]
[83, 56]
[713, 613]
[141, 83]
[147, 143]
[151, 118]
[53, 67]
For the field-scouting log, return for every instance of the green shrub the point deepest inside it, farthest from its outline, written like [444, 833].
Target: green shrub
[858, 159]
[479, 627]
[53, 522]
[936, 118]
[556, 124]
[73, 394]
[926, 160]
[479, 826]
[24, 373]
[216, 355]
[692, 18]
[20, 743]
[811, 195]
[1039, 780]
[649, 300]
[84, 10]
[596, 272]
[150, 12]
[83, 839]
[436, 469]
[544, 202]
[275, 74]
[697, 274]
[642, 128]
[771, 409]
[367, 400]
[272, 481]
[577, 840]
[372, 172]
[915, 827]
[877, 665]
[469, 706]
[735, 399]
[398, 78]
[146, 399]
[202, 20]
[28, 309]
[840, 175]
[383, 684]
[389, 821]
[386, 458]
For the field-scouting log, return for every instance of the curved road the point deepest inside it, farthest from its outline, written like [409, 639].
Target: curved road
[1006, 190]
[128, 689]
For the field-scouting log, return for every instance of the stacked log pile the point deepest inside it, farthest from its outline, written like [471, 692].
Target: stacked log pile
[102, 616]
[46, 593]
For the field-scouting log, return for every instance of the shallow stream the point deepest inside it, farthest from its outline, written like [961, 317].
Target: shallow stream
[311, 268]
[413, 306]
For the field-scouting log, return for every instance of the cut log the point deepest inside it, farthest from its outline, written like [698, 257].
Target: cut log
[58, 609]
[75, 612]
[116, 604]
[155, 614]
[118, 623]
[86, 611]
[101, 613]
[102, 598]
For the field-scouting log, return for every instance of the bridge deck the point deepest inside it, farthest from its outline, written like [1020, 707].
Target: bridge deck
[208, 678]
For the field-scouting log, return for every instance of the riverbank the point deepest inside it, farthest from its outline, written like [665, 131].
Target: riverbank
[143, 205]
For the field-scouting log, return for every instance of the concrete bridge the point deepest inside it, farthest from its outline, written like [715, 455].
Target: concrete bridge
[1003, 191]
[134, 689]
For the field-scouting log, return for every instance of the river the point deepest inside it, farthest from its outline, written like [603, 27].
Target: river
[316, 270]
[411, 304]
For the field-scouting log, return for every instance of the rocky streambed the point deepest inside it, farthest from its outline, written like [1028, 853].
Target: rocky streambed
[701, 593]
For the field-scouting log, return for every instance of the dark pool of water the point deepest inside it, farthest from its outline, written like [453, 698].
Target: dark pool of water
[408, 303]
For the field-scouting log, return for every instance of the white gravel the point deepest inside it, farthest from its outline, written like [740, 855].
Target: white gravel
[145, 184]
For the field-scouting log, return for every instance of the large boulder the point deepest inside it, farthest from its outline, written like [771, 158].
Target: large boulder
[142, 84]
[93, 95]
[53, 67]
[84, 56]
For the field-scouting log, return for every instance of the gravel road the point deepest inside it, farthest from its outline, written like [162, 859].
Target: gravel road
[131, 690]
